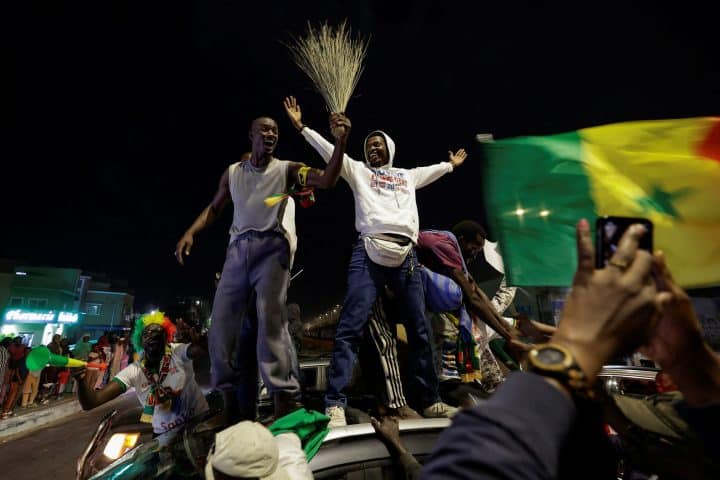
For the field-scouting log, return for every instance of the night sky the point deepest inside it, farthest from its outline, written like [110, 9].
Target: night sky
[118, 117]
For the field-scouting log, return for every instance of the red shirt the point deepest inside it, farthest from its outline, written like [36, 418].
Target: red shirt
[438, 252]
[17, 352]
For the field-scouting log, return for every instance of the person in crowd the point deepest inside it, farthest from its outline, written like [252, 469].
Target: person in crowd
[31, 388]
[169, 395]
[93, 375]
[65, 344]
[55, 345]
[15, 378]
[386, 217]
[527, 427]
[63, 377]
[4, 361]
[83, 348]
[248, 450]
[259, 258]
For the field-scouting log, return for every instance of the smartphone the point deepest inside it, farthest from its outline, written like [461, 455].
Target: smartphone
[609, 230]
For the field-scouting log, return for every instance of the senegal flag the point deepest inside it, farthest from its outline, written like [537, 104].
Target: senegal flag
[668, 171]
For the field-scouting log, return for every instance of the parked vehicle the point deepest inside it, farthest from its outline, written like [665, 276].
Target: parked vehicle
[123, 448]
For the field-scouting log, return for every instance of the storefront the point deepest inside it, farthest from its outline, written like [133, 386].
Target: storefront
[38, 326]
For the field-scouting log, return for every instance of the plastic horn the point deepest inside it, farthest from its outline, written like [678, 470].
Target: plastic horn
[41, 356]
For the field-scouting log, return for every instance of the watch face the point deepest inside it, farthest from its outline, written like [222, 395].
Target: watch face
[550, 356]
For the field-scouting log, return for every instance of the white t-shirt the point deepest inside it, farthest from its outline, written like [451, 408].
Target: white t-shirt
[181, 377]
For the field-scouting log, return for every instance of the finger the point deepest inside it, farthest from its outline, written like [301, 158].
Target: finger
[640, 268]
[178, 255]
[628, 245]
[664, 274]
[585, 250]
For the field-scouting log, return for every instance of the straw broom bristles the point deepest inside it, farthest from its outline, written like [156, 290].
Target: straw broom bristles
[333, 60]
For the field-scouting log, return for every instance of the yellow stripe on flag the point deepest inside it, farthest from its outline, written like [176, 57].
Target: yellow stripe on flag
[653, 169]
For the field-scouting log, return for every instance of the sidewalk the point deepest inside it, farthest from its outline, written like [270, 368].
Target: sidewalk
[28, 419]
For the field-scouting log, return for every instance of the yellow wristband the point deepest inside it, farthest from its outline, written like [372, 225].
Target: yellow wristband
[302, 176]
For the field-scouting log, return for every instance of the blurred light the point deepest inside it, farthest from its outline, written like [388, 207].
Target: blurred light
[544, 213]
[197, 302]
[9, 330]
[120, 443]
[22, 274]
[520, 212]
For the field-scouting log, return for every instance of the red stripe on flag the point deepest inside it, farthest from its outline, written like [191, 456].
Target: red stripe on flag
[710, 146]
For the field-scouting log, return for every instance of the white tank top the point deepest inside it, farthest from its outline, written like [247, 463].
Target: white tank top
[249, 187]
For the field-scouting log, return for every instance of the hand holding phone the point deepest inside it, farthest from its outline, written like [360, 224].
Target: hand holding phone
[608, 232]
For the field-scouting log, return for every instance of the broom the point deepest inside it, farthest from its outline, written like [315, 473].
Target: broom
[333, 60]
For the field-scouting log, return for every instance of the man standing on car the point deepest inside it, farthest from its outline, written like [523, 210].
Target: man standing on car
[386, 217]
[258, 260]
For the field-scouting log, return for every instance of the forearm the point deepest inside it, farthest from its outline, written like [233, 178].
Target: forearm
[426, 175]
[479, 304]
[87, 396]
[332, 172]
[206, 218]
[698, 377]
[322, 146]
[517, 433]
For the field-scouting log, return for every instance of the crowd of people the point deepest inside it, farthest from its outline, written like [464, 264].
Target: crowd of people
[460, 340]
[25, 388]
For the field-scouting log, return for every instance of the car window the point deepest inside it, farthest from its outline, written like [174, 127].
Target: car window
[376, 470]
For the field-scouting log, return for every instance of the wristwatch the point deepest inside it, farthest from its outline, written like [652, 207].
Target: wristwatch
[557, 362]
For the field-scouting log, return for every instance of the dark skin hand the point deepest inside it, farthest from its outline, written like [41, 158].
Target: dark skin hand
[678, 345]
[198, 343]
[388, 430]
[612, 310]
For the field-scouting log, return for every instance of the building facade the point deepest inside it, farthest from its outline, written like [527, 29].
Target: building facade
[39, 302]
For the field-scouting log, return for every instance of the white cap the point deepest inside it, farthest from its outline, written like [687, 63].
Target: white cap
[245, 450]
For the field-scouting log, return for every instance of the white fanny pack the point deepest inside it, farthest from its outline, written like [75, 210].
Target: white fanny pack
[387, 253]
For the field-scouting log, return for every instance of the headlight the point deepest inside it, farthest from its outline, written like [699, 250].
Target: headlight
[120, 443]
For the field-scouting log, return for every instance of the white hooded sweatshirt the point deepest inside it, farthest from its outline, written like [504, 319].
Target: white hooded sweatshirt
[384, 197]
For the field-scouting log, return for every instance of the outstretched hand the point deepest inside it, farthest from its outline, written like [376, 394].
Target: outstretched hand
[457, 158]
[293, 111]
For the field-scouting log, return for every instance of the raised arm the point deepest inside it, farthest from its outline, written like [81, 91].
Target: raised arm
[322, 146]
[426, 175]
[207, 217]
[314, 177]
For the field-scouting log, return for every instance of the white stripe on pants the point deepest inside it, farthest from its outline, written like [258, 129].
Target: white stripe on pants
[386, 344]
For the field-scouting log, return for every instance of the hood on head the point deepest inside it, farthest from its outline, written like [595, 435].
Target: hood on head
[388, 142]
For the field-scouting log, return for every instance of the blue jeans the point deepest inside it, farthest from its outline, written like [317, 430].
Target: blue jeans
[255, 262]
[365, 278]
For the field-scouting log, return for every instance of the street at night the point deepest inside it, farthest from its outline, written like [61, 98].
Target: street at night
[52, 451]
[359, 240]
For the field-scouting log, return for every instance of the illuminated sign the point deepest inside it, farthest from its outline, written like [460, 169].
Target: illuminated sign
[39, 316]
[67, 317]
